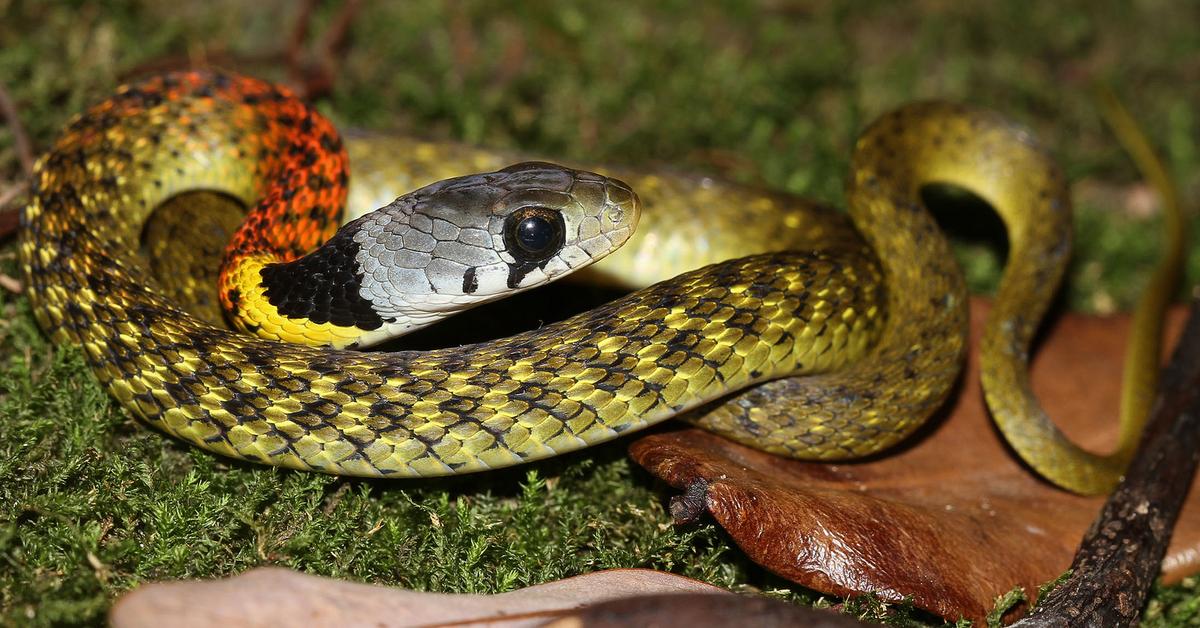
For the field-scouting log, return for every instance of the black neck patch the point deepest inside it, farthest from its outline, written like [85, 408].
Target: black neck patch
[323, 286]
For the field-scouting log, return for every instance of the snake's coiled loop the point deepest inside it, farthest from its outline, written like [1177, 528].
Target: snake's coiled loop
[828, 353]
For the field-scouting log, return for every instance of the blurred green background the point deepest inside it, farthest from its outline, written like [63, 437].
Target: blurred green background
[770, 93]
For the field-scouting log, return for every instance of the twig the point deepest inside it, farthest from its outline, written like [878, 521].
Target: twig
[315, 79]
[1123, 550]
[10, 217]
[11, 193]
[337, 38]
[311, 79]
[20, 137]
[294, 50]
[12, 285]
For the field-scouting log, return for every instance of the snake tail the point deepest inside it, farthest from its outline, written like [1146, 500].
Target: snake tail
[1144, 352]
[1033, 271]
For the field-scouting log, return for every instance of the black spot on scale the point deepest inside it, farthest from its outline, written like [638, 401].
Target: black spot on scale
[323, 286]
[518, 271]
[470, 281]
[331, 143]
[317, 182]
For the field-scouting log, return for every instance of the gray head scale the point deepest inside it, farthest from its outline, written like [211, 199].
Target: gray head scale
[465, 241]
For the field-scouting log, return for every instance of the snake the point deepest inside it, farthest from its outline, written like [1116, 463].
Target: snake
[778, 323]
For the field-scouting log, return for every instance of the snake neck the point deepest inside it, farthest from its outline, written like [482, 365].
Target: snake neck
[315, 299]
[304, 189]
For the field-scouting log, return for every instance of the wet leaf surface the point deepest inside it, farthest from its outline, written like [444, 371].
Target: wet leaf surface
[952, 520]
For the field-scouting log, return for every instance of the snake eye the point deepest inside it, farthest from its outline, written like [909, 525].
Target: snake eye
[534, 233]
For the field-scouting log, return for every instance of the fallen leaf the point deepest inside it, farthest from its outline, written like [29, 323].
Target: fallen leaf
[951, 520]
[272, 596]
[697, 610]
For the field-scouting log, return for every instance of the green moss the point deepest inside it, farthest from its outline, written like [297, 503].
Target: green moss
[91, 503]
[95, 503]
[1178, 605]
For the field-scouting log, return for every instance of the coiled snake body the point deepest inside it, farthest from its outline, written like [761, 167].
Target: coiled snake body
[819, 346]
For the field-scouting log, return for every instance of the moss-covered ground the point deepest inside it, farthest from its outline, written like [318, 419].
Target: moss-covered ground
[772, 93]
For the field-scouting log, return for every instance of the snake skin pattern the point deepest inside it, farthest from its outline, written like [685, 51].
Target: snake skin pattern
[420, 257]
[821, 351]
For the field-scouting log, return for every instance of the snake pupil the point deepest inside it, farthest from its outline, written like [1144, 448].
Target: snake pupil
[535, 233]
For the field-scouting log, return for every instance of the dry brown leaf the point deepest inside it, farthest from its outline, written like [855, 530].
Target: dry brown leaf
[619, 597]
[280, 597]
[697, 610]
[950, 521]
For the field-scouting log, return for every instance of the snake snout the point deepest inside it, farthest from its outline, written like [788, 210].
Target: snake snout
[624, 206]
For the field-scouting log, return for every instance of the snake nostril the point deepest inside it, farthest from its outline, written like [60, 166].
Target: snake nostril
[621, 201]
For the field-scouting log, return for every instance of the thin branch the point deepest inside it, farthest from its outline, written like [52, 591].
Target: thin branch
[311, 75]
[315, 78]
[20, 138]
[337, 38]
[294, 50]
[1122, 552]
[10, 214]
[11, 284]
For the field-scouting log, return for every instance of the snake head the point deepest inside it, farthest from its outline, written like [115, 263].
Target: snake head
[472, 239]
[555, 214]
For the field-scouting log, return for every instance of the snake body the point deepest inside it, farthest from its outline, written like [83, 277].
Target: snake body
[815, 348]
